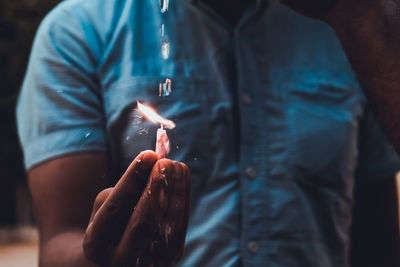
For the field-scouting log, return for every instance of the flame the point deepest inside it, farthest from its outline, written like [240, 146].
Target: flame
[154, 117]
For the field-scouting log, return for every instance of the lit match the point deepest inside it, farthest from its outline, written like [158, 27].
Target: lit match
[162, 143]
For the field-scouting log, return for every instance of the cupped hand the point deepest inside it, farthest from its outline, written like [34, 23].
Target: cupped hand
[142, 221]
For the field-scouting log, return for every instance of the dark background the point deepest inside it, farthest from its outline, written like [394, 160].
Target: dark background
[19, 20]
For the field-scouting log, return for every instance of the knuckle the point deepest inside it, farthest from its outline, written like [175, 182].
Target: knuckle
[165, 163]
[144, 161]
[165, 166]
[114, 206]
[185, 168]
[178, 167]
[102, 196]
[146, 152]
[148, 157]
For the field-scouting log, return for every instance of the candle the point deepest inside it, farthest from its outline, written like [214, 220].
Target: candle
[162, 142]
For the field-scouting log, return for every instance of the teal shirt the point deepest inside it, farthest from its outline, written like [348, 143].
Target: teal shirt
[270, 119]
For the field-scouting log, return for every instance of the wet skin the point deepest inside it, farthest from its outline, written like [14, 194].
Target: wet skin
[143, 219]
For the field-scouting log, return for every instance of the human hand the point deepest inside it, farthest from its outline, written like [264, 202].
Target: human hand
[134, 224]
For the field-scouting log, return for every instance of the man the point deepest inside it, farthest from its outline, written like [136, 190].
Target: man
[269, 116]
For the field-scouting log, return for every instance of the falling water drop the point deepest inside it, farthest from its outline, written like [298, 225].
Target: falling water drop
[143, 131]
[165, 48]
[164, 5]
[87, 134]
[162, 30]
[135, 118]
[165, 88]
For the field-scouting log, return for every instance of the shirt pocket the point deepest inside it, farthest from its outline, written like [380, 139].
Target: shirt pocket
[323, 120]
[130, 133]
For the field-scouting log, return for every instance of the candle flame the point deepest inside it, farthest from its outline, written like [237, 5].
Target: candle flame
[154, 117]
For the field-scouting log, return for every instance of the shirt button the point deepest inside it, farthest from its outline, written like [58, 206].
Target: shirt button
[253, 246]
[251, 172]
[246, 99]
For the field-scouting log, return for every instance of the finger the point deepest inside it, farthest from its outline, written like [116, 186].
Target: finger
[174, 230]
[132, 183]
[170, 251]
[110, 219]
[142, 227]
[100, 199]
[184, 226]
[161, 180]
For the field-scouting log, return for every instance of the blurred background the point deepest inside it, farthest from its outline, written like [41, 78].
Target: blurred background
[375, 230]
[19, 20]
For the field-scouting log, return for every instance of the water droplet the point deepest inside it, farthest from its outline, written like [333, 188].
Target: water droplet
[162, 29]
[167, 232]
[60, 91]
[195, 158]
[165, 48]
[137, 115]
[139, 160]
[177, 147]
[143, 131]
[165, 88]
[127, 138]
[87, 135]
[164, 5]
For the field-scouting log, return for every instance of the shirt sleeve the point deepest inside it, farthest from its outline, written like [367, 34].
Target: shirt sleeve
[377, 157]
[60, 109]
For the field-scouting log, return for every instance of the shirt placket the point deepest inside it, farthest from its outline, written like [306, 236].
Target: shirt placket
[250, 147]
[253, 158]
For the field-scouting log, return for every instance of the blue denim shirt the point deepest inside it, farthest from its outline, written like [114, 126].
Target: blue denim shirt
[270, 119]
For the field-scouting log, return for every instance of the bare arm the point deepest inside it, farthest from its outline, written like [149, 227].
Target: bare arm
[63, 192]
[370, 34]
[139, 222]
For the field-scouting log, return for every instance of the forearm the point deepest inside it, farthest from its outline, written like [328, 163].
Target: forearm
[370, 34]
[64, 250]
